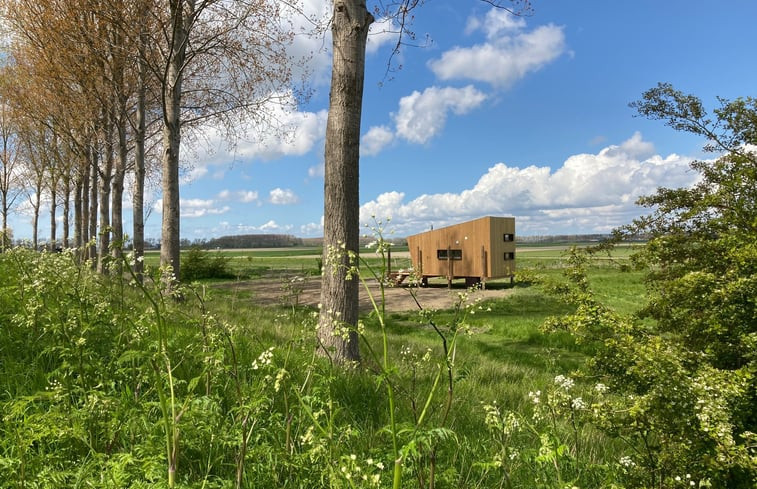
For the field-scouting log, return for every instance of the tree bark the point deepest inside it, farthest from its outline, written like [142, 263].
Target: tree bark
[106, 176]
[53, 212]
[170, 232]
[339, 295]
[138, 197]
[93, 173]
[117, 198]
[65, 235]
[80, 196]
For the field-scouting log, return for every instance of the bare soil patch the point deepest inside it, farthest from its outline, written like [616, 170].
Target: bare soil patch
[306, 291]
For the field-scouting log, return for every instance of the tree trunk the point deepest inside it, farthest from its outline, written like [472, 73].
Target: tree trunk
[80, 194]
[170, 235]
[36, 202]
[339, 296]
[93, 173]
[66, 208]
[138, 197]
[53, 212]
[106, 177]
[117, 198]
[4, 230]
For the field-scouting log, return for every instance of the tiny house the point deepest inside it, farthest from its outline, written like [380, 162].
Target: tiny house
[475, 250]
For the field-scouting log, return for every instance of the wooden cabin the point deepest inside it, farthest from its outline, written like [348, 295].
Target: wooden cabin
[475, 250]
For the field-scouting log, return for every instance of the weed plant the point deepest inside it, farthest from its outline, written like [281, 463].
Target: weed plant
[109, 382]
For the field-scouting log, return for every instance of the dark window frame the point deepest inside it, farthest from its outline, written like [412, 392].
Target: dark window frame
[456, 254]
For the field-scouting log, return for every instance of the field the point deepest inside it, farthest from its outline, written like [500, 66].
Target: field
[227, 380]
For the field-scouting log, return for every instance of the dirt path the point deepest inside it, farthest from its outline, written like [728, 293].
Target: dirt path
[306, 291]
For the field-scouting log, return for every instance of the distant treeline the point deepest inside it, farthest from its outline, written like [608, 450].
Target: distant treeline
[254, 241]
[288, 241]
[568, 238]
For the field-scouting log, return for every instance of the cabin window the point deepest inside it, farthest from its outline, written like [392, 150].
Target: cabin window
[509, 255]
[509, 237]
[454, 254]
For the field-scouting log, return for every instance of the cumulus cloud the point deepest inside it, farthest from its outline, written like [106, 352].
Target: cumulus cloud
[376, 139]
[192, 208]
[310, 47]
[381, 32]
[316, 171]
[592, 192]
[509, 53]
[495, 23]
[285, 131]
[226, 228]
[279, 196]
[423, 114]
[244, 196]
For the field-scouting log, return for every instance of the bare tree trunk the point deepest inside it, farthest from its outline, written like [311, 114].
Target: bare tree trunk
[53, 211]
[36, 202]
[339, 296]
[4, 229]
[66, 208]
[79, 205]
[119, 174]
[138, 199]
[170, 233]
[106, 176]
[35, 221]
[54, 168]
[93, 170]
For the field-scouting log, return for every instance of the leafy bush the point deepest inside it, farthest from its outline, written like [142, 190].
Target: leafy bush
[197, 264]
[684, 368]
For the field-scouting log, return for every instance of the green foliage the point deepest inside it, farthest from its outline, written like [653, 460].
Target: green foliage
[6, 238]
[197, 264]
[684, 368]
[108, 383]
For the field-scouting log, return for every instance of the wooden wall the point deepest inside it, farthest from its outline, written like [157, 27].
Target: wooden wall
[481, 241]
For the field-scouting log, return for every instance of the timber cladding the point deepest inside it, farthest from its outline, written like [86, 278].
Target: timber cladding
[482, 248]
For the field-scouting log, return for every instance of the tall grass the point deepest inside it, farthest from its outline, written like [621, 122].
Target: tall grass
[106, 384]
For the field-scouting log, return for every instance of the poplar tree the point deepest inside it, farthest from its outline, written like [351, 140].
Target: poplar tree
[350, 23]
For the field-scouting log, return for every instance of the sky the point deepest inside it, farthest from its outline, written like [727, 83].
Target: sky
[486, 114]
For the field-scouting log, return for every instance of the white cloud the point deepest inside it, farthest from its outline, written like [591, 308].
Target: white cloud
[195, 207]
[285, 131]
[295, 134]
[381, 32]
[508, 55]
[279, 196]
[273, 227]
[311, 45]
[593, 192]
[248, 196]
[311, 229]
[422, 115]
[244, 196]
[375, 140]
[495, 23]
[193, 174]
[317, 171]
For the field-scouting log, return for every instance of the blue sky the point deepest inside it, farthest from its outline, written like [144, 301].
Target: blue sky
[489, 115]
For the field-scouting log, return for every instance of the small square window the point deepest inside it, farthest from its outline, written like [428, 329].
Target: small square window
[509, 255]
[454, 254]
[509, 237]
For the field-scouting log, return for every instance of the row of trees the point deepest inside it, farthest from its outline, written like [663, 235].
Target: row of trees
[97, 94]
[98, 90]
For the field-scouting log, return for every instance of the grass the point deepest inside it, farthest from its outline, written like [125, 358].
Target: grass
[101, 346]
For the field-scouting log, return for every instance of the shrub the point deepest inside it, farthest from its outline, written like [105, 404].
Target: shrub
[197, 264]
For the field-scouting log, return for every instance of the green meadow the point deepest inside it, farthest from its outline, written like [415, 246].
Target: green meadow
[105, 383]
